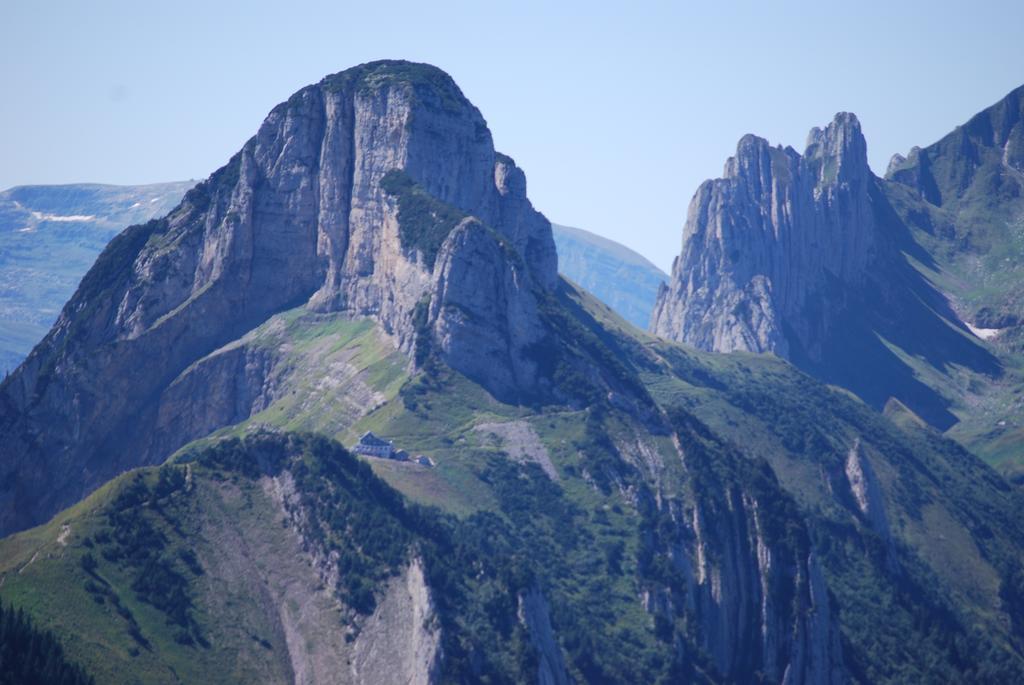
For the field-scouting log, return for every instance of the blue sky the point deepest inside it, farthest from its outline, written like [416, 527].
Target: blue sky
[617, 111]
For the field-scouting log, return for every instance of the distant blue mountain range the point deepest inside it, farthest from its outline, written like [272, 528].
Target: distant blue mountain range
[49, 237]
[615, 274]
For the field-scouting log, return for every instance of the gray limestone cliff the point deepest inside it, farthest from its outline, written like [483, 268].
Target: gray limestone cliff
[865, 490]
[400, 643]
[535, 615]
[763, 244]
[804, 256]
[484, 317]
[343, 202]
[758, 604]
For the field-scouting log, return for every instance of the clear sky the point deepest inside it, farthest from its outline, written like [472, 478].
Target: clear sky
[616, 110]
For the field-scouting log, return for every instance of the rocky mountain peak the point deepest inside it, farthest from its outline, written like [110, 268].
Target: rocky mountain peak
[999, 125]
[750, 151]
[761, 241]
[895, 162]
[840, 149]
[754, 161]
[842, 137]
[802, 256]
[347, 199]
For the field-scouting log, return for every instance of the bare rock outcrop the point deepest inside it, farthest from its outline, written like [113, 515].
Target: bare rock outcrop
[804, 256]
[763, 244]
[866, 491]
[343, 201]
[759, 604]
[400, 644]
[535, 614]
[521, 442]
[484, 318]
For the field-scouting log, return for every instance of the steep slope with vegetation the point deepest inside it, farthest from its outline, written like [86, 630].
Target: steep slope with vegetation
[371, 193]
[803, 256]
[277, 559]
[657, 545]
[603, 506]
[29, 656]
[53, 234]
[963, 198]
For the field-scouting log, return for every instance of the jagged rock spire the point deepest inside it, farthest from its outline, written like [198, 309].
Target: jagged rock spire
[760, 244]
[803, 256]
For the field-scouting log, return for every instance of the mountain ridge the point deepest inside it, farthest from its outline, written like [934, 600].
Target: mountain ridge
[621, 278]
[44, 269]
[185, 269]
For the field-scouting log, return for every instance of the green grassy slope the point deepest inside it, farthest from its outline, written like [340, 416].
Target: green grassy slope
[29, 656]
[962, 199]
[61, 572]
[193, 572]
[942, 560]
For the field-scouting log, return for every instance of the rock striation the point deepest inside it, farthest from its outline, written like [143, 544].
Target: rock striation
[764, 245]
[374, 193]
[865, 490]
[535, 614]
[735, 572]
[803, 256]
[401, 642]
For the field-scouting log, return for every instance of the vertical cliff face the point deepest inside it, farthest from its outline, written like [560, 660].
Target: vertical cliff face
[803, 256]
[754, 595]
[401, 642]
[484, 318]
[343, 201]
[764, 246]
[535, 614]
[865, 490]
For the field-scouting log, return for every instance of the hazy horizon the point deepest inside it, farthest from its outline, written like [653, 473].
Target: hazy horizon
[638, 107]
